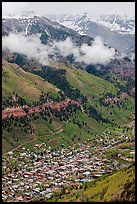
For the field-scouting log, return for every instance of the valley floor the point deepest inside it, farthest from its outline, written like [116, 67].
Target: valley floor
[44, 172]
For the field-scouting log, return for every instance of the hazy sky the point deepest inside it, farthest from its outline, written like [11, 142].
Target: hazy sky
[92, 8]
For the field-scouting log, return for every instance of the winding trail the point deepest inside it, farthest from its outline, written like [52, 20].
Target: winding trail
[21, 145]
[52, 139]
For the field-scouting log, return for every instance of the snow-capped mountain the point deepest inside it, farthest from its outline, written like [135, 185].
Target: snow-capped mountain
[121, 24]
[49, 30]
[46, 30]
[116, 31]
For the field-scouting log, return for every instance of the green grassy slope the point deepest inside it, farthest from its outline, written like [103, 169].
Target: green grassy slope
[45, 133]
[119, 186]
[94, 88]
[9, 139]
[27, 85]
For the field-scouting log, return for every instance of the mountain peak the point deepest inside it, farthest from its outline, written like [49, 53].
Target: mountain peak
[86, 16]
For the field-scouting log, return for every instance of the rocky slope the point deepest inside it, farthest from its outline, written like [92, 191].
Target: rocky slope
[116, 31]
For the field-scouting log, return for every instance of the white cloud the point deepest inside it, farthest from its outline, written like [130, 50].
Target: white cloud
[66, 47]
[32, 47]
[96, 53]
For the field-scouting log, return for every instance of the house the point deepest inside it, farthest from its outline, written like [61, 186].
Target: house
[20, 198]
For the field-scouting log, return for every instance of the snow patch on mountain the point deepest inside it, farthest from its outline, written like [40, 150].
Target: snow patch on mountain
[121, 24]
[118, 23]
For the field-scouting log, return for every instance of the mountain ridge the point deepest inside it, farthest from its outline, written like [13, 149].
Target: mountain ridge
[103, 27]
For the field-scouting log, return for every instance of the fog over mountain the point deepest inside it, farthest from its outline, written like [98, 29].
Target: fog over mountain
[32, 47]
[43, 39]
[114, 22]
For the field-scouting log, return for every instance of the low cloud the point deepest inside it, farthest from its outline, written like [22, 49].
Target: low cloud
[32, 47]
[67, 48]
[97, 53]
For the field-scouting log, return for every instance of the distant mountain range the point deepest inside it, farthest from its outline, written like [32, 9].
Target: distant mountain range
[115, 30]
[49, 31]
[121, 24]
